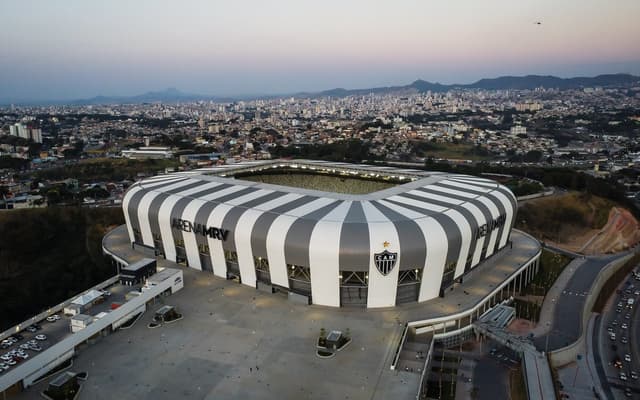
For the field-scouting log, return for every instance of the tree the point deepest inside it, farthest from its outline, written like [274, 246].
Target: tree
[533, 156]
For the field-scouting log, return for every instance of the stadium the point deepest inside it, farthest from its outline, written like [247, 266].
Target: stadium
[330, 234]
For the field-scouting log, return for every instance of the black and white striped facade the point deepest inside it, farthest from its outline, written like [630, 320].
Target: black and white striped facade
[328, 246]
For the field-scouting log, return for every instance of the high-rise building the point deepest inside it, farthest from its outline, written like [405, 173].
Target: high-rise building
[26, 132]
[36, 135]
[23, 131]
[518, 130]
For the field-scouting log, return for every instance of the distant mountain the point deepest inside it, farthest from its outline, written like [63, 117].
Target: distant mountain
[418, 86]
[501, 83]
[535, 81]
[170, 95]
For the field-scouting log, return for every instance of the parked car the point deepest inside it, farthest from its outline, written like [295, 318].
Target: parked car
[41, 337]
[53, 318]
[627, 357]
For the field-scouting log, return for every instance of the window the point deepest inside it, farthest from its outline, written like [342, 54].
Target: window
[354, 278]
[262, 264]
[467, 265]
[203, 249]
[451, 266]
[299, 279]
[179, 242]
[409, 276]
[299, 273]
[231, 256]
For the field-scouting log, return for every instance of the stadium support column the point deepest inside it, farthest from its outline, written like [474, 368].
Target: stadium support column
[324, 258]
[382, 288]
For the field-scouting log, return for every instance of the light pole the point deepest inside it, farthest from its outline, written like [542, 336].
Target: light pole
[546, 341]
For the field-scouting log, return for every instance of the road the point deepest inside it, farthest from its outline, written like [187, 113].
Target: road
[624, 322]
[567, 317]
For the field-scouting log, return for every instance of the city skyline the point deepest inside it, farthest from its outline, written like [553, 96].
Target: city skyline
[79, 50]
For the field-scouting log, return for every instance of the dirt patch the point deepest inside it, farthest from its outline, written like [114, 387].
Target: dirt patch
[580, 223]
[531, 298]
[620, 233]
[520, 326]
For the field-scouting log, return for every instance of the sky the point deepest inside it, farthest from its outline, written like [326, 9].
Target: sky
[78, 49]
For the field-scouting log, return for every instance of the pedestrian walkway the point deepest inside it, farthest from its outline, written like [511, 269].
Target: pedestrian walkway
[414, 352]
[580, 378]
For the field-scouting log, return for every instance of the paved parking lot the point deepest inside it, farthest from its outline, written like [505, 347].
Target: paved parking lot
[58, 330]
[237, 343]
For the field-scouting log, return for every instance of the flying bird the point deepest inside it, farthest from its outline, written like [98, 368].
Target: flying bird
[538, 23]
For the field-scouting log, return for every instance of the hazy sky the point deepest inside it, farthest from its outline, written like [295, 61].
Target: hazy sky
[80, 48]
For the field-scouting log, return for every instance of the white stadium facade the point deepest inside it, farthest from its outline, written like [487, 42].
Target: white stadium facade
[408, 242]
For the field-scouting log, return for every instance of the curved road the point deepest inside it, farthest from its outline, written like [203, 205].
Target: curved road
[567, 316]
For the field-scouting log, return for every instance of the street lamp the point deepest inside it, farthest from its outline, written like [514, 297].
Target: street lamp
[546, 342]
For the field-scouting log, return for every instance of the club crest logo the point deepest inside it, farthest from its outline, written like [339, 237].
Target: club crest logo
[385, 261]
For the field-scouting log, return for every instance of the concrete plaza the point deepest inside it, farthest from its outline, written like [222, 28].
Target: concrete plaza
[236, 342]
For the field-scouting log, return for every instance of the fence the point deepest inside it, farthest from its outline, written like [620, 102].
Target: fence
[422, 389]
[399, 348]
